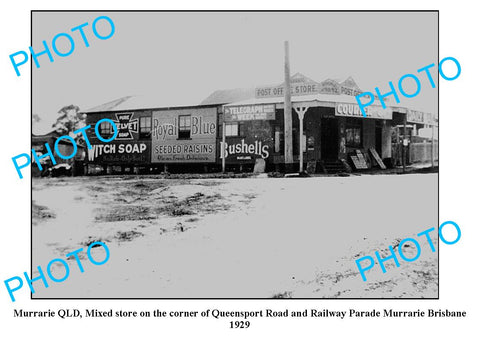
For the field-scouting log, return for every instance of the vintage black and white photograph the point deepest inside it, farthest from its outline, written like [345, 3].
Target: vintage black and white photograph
[225, 154]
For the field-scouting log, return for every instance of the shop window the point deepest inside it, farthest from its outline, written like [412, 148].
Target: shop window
[145, 127]
[353, 134]
[234, 129]
[106, 130]
[231, 129]
[184, 127]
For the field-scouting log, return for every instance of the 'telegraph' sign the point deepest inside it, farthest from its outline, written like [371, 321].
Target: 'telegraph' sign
[250, 112]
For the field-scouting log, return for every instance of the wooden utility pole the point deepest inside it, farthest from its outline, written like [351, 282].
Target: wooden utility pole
[287, 113]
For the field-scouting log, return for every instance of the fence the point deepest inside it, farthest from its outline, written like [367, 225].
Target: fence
[422, 152]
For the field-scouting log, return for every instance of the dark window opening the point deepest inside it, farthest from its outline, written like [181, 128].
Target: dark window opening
[145, 127]
[353, 134]
[106, 130]
[184, 127]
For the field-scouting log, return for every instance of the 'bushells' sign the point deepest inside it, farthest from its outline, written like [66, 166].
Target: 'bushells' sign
[245, 150]
[184, 135]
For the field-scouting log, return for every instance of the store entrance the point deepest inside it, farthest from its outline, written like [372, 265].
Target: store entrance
[378, 139]
[329, 138]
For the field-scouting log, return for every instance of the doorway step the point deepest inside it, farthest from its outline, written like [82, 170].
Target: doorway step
[333, 166]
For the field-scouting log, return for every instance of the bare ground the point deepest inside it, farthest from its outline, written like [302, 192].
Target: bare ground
[253, 237]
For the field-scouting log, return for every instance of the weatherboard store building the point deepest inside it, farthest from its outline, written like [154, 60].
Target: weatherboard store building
[152, 138]
[242, 128]
[333, 126]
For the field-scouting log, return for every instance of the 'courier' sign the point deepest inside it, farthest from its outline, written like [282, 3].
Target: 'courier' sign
[250, 112]
[353, 110]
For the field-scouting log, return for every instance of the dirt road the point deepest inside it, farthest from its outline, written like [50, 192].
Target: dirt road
[252, 237]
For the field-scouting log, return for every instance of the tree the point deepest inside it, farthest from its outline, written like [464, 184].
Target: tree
[35, 118]
[70, 119]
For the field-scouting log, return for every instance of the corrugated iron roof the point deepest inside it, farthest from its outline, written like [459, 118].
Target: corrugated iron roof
[221, 97]
[238, 96]
[139, 102]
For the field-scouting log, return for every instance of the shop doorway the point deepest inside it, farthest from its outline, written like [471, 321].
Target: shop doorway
[378, 140]
[329, 138]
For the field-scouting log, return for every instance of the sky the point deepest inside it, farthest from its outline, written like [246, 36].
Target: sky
[182, 57]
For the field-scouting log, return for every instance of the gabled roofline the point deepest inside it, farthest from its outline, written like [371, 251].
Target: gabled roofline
[166, 108]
